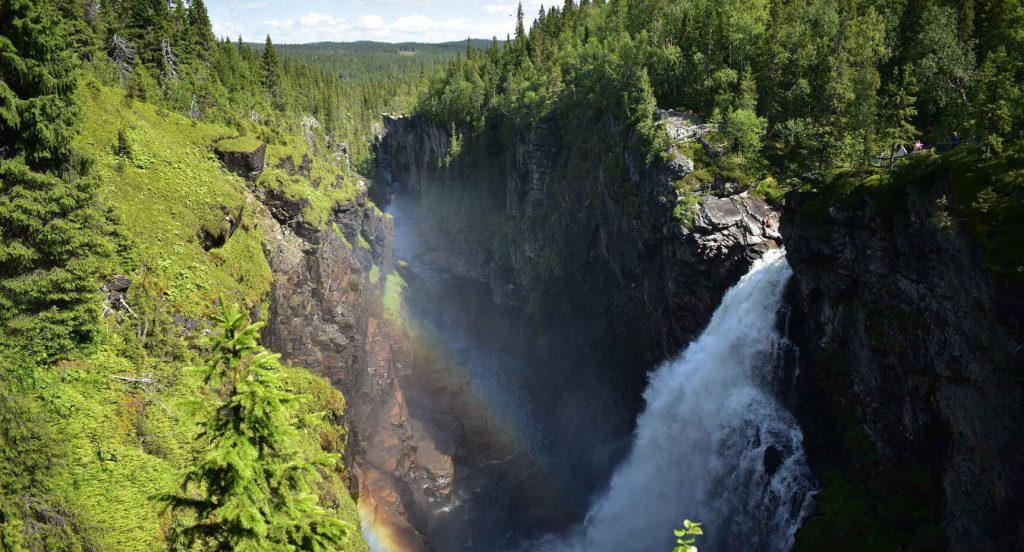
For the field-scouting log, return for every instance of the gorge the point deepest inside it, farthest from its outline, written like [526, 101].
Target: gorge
[647, 275]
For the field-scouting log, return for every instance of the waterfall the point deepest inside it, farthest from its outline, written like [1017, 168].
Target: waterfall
[712, 444]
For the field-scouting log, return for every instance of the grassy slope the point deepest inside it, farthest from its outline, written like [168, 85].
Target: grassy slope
[171, 188]
[122, 444]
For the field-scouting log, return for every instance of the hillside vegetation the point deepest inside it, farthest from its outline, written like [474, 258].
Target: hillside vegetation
[809, 95]
[112, 116]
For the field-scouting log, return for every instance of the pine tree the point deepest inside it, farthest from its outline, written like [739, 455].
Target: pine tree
[48, 220]
[255, 487]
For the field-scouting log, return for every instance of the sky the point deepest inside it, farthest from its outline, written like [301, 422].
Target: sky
[298, 21]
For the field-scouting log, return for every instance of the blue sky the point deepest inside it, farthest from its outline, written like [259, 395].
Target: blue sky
[297, 21]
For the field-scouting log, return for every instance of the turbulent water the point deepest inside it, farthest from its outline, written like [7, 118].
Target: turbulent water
[712, 444]
[538, 439]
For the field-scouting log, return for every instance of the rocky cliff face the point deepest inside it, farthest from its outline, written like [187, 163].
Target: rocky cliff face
[604, 257]
[909, 377]
[326, 315]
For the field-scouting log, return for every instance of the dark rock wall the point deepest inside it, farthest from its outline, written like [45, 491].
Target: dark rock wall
[602, 259]
[910, 371]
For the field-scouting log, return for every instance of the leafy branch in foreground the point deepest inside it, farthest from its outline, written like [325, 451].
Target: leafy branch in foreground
[686, 537]
[251, 488]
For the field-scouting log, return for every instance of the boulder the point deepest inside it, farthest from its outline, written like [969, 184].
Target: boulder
[119, 284]
[678, 165]
[212, 236]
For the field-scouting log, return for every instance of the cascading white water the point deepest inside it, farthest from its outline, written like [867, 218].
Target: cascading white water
[712, 445]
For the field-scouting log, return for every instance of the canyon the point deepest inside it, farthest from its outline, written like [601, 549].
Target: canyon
[460, 404]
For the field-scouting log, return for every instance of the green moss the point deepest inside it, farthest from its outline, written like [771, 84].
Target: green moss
[326, 185]
[164, 204]
[850, 518]
[127, 443]
[687, 204]
[771, 190]
[375, 274]
[239, 144]
[363, 243]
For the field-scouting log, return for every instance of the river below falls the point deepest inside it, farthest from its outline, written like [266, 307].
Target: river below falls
[533, 433]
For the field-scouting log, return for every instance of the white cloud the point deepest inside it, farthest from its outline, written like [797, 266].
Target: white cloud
[500, 9]
[417, 24]
[319, 20]
[371, 22]
[278, 24]
[291, 21]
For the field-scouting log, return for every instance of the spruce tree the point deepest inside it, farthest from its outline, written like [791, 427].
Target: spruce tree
[271, 71]
[255, 488]
[51, 228]
[900, 111]
[147, 26]
[200, 31]
[998, 105]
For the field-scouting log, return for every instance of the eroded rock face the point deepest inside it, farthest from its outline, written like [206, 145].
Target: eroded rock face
[905, 338]
[643, 283]
[326, 315]
[409, 162]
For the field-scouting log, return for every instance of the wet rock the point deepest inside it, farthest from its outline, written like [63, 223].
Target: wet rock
[627, 265]
[324, 315]
[407, 163]
[772, 460]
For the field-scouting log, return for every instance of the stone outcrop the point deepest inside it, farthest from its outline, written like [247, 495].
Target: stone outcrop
[616, 261]
[910, 375]
[214, 236]
[247, 164]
